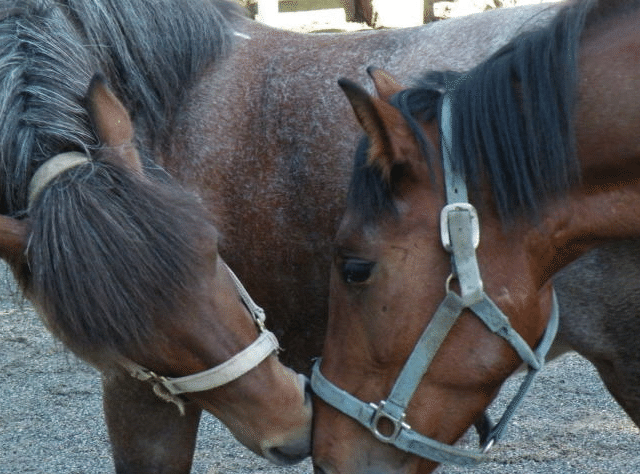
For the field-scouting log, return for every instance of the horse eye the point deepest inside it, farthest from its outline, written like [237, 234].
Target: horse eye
[356, 271]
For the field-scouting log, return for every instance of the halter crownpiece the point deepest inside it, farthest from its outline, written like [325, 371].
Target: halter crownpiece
[460, 236]
[52, 168]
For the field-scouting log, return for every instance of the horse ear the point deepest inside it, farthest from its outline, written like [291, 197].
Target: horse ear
[386, 85]
[13, 237]
[113, 125]
[391, 141]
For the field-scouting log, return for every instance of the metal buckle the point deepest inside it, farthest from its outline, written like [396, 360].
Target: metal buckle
[398, 423]
[444, 223]
[488, 446]
[157, 379]
[146, 375]
[260, 323]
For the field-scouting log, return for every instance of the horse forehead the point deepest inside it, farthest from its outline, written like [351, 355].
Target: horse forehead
[413, 218]
[353, 230]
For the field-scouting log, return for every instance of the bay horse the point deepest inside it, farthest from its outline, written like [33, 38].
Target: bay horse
[422, 332]
[119, 259]
[202, 130]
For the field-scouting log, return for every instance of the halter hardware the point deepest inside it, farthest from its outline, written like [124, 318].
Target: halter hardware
[444, 223]
[460, 234]
[379, 415]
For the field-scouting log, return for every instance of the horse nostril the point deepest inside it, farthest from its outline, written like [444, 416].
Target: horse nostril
[287, 455]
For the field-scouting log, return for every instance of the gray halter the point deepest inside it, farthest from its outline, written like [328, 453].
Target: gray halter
[460, 233]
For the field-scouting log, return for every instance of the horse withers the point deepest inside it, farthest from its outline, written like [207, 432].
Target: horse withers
[422, 332]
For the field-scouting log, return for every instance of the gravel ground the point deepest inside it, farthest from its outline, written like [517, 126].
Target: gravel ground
[51, 419]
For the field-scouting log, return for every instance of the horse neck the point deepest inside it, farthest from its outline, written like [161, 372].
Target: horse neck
[577, 223]
[607, 120]
[608, 110]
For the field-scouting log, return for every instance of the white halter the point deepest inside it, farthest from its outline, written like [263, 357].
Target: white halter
[51, 168]
[168, 388]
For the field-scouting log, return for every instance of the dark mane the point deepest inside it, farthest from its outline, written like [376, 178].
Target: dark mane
[368, 191]
[150, 51]
[512, 117]
[515, 112]
[109, 254]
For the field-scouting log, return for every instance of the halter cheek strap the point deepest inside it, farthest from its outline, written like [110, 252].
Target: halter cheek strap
[460, 234]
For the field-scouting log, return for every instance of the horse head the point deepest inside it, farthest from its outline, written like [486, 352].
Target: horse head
[123, 266]
[390, 273]
[434, 303]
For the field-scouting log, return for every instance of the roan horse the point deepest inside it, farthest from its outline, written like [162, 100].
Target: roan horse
[121, 261]
[222, 103]
[545, 131]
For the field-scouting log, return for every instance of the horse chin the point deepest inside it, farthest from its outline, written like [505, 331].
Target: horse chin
[295, 445]
[375, 465]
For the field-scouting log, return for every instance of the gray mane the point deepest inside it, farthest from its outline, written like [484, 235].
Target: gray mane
[110, 256]
[150, 51]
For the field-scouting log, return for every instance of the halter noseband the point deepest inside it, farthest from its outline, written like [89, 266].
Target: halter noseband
[168, 388]
[460, 234]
